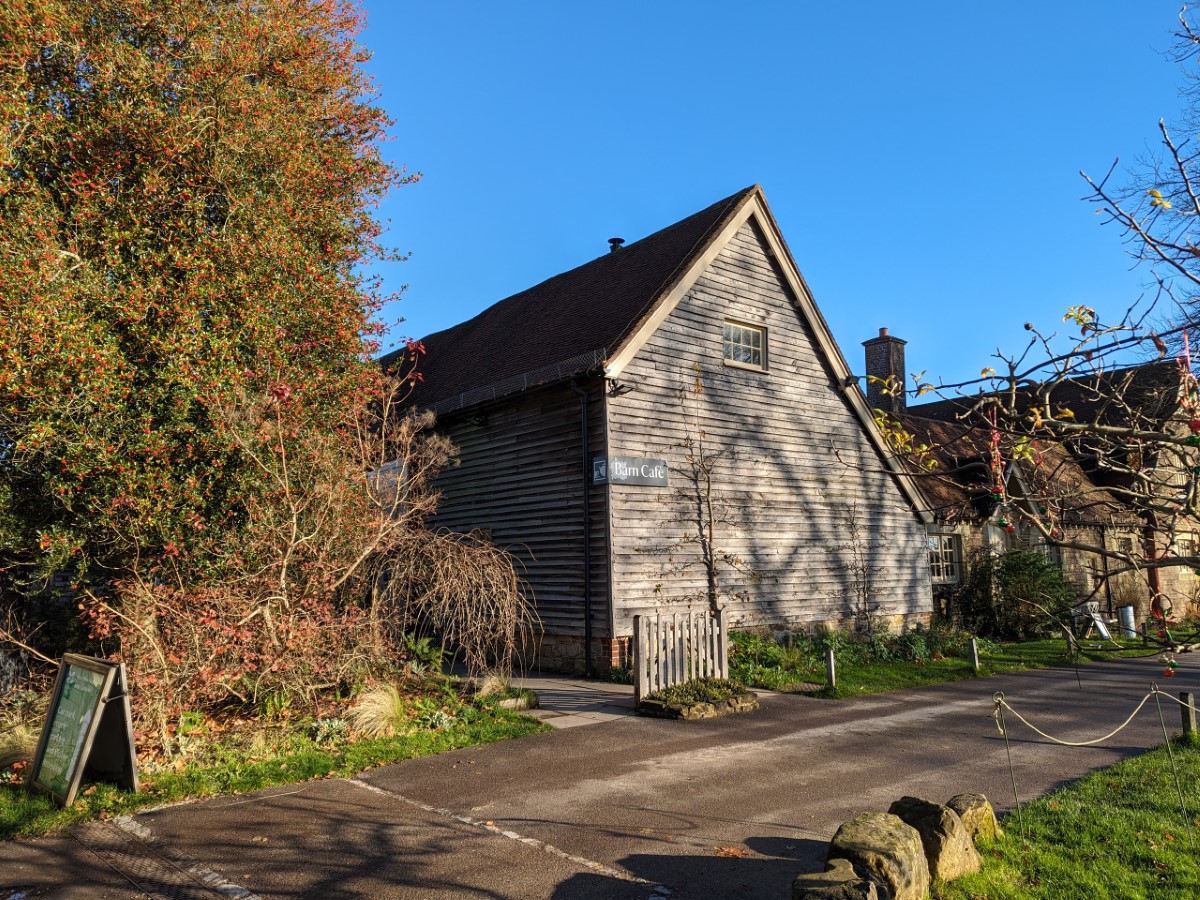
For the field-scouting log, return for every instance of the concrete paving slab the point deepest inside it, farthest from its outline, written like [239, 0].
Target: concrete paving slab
[570, 702]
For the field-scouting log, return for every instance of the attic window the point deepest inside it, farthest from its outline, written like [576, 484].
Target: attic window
[745, 346]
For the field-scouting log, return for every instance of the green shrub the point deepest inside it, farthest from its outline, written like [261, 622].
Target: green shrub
[800, 657]
[621, 675]
[700, 690]
[1014, 596]
[914, 645]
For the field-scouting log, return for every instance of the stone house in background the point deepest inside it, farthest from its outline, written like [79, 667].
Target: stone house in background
[969, 519]
[676, 399]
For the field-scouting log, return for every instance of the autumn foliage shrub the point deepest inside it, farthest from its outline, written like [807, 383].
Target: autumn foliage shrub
[316, 591]
[198, 455]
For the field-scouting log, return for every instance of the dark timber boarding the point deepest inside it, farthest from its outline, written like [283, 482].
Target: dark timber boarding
[520, 480]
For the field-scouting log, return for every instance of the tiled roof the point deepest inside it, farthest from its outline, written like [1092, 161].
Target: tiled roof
[567, 324]
[959, 487]
[1150, 390]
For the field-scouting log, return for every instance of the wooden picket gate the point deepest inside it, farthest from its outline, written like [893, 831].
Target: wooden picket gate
[671, 649]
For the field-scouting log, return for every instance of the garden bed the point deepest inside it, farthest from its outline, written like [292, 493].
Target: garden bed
[702, 698]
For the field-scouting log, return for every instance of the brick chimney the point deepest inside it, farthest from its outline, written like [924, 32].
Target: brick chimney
[885, 358]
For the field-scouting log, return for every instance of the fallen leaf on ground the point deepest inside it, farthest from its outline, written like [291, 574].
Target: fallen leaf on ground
[734, 852]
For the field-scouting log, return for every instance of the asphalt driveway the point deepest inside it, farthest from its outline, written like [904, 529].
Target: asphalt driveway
[628, 807]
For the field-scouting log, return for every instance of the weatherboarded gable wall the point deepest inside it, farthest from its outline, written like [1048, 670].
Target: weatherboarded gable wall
[797, 478]
[520, 481]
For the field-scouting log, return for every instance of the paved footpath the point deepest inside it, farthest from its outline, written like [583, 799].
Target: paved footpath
[623, 808]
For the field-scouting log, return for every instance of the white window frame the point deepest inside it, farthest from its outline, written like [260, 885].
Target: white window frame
[745, 345]
[945, 557]
[1185, 545]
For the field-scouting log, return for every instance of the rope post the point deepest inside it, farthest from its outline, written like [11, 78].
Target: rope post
[975, 654]
[830, 669]
[1072, 643]
[1187, 819]
[1188, 711]
[998, 700]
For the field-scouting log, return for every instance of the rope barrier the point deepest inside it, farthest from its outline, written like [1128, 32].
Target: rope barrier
[1187, 819]
[999, 701]
[1000, 705]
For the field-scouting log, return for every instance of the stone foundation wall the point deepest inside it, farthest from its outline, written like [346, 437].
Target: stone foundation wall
[897, 624]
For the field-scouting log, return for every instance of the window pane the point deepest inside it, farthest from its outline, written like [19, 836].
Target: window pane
[744, 345]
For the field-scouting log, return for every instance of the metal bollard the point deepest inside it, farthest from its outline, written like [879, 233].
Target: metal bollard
[975, 654]
[830, 670]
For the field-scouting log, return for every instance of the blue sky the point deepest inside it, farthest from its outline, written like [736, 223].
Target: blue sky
[921, 159]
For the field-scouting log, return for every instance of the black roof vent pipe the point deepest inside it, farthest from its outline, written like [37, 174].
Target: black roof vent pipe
[614, 244]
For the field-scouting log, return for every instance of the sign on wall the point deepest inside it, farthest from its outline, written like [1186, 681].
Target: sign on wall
[629, 470]
[88, 730]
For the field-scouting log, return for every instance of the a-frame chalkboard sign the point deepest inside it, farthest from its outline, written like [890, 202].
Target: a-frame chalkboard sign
[88, 732]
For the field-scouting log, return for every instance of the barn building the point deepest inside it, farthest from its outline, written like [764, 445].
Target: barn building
[671, 426]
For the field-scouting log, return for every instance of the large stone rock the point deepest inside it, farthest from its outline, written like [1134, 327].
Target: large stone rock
[884, 849]
[977, 815]
[839, 881]
[949, 849]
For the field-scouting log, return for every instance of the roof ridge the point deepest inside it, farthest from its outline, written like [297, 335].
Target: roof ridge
[732, 203]
[595, 304]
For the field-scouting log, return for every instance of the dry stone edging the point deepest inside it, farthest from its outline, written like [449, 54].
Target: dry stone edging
[949, 850]
[977, 816]
[882, 848]
[896, 855]
[839, 881]
[691, 712]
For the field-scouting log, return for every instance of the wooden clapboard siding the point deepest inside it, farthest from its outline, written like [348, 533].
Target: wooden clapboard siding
[520, 480]
[800, 465]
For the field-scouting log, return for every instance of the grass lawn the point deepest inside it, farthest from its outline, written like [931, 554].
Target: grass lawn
[893, 675]
[890, 663]
[1116, 835]
[233, 768]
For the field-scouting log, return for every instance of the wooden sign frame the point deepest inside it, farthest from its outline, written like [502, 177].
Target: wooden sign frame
[88, 732]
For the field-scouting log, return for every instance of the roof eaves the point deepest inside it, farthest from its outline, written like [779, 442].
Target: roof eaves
[559, 371]
[679, 282]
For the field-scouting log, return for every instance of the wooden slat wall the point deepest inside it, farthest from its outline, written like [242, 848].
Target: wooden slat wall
[803, 464]
[520, 479]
